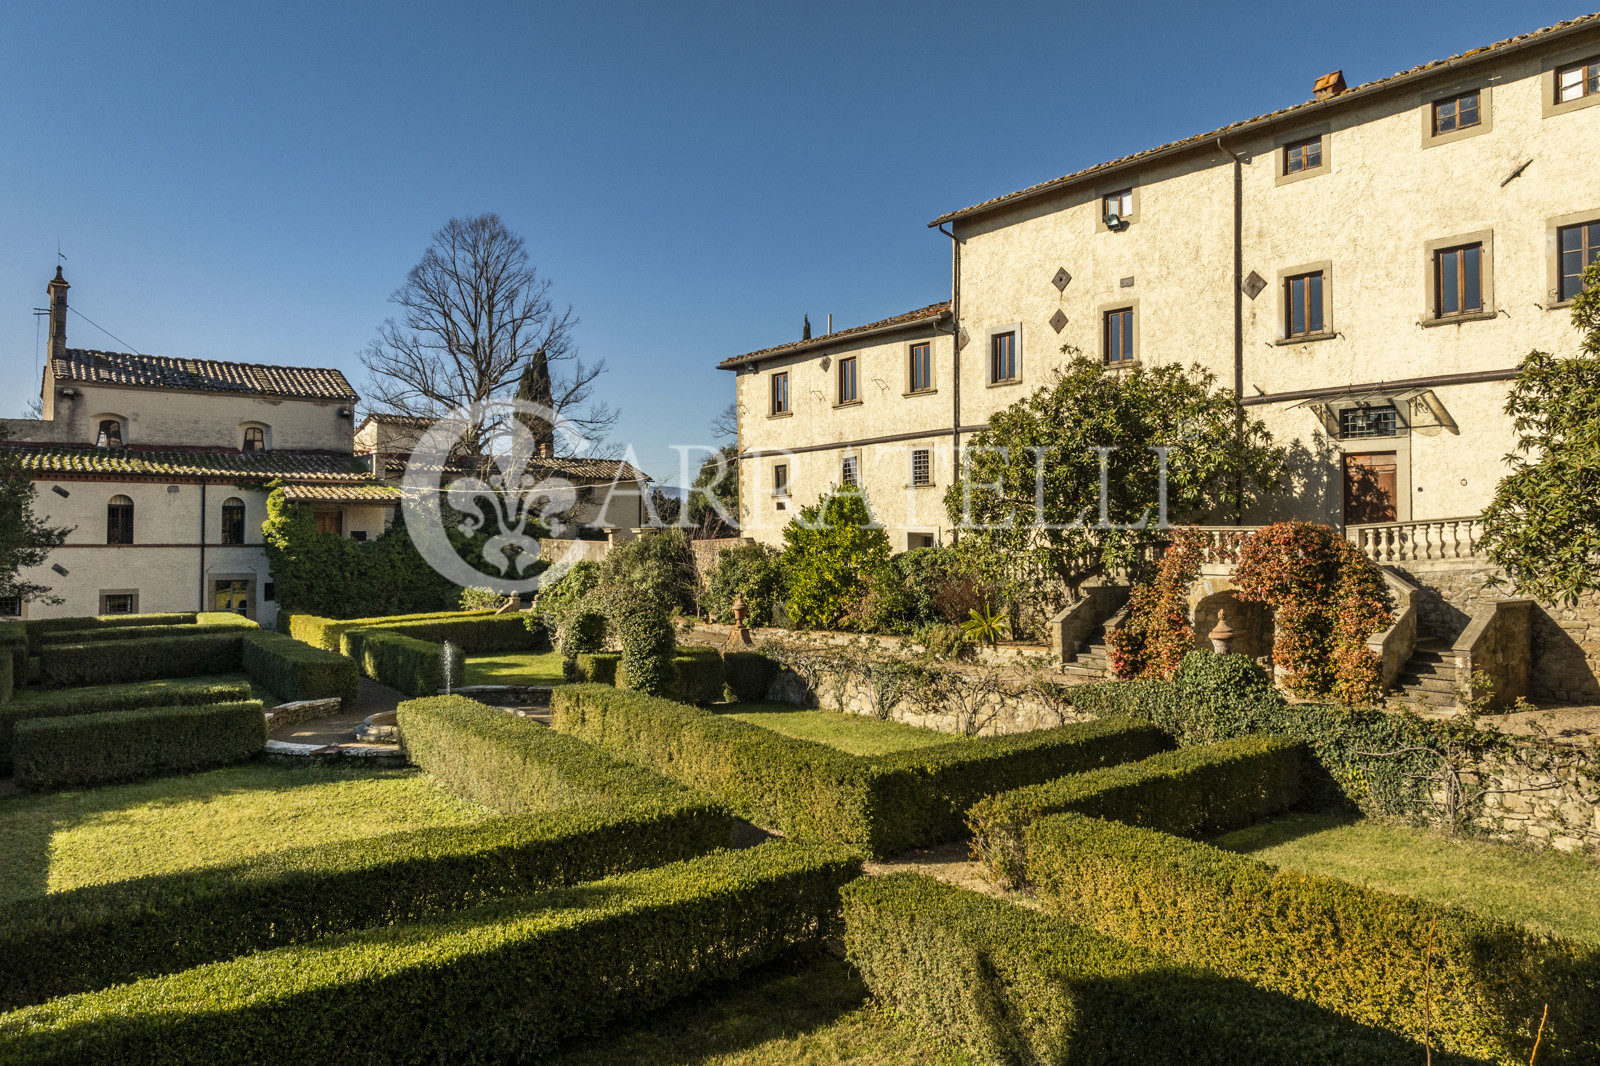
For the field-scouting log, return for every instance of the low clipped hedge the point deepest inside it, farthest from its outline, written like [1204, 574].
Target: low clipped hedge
[1194, 791]
[296, 671]
[514, 764]
[94, 749]
[110, 636]
[69, 665]
[1356, 951]
[169, 693]
[507, 981]
[474, 634]
[1016, 986]
[7, 678]
[108, 934]
[14, 646]
[324, 633]
[698, 677]
[749, 675]
[38, 628]
[599, 667]
[415, 667]
[812, 792]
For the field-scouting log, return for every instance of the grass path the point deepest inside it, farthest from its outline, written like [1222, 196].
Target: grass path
[1543, 890]
[853, 733]
[515, 668]
[68, 839]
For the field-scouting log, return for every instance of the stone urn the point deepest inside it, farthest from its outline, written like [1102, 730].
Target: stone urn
[1221, 635]
[740, 633]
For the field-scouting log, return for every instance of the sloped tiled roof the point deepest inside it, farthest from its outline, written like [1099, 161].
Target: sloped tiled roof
[911, 318]
[1297, 110]
[390, 419]
[341, 494]
[66, 461]
[577, 468]
[205, 375]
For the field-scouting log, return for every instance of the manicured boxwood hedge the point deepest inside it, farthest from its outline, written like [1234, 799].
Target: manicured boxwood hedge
[101, 935]
[474, 634]
[514, 764]
[296, 671]
[14, 646]
[216, 652]
[811, 792]
[7, 678]
[750, 674]
[109, 636]
[38, 628]
[1016, 986]
[698, 677]
[177, 692]
[1353, 950]
[509, 981]
[599, 667]
[1192, 792]
[94, 749]
[324, 633]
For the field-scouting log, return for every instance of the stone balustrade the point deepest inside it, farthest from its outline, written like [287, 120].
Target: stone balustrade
[1433, 540]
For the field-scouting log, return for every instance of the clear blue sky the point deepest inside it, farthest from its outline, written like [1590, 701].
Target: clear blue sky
[251, 182]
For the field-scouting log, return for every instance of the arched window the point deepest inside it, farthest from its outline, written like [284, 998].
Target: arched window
[233, 520]
[255, 439]
[119, 520]
[110, 435]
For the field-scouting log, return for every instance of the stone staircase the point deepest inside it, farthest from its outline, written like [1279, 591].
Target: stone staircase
[1428, 677]
[1090, 661]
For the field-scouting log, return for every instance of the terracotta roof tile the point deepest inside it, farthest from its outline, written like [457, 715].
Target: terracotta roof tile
[583, 469]
[207, 375]
[64, 460]
[1369, 88]
[911, 318]
[341, 494]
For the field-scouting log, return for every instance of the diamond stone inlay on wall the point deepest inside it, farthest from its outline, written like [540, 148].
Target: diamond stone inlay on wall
[1061, 279]
[1254, 284]
[1058, 320]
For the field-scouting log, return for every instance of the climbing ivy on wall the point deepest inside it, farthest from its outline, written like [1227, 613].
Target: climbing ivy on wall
[1327, 598]
[330, 575]
[1157, 634]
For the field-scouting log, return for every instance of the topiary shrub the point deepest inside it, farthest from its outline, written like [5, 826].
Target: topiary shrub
[645, 633]
[564, 593]
[582, 631]
[698, 676]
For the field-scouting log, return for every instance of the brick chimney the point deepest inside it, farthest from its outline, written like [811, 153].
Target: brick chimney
[1329, 85]
[58, 314]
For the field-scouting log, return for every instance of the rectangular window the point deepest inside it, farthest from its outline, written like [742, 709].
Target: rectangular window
[1579, 246]
[233, 521]
[1303, 301]
[1358, 422]
[848, 391]
[921, 367]
[119, 603]
[780, 393]
[119, 521]
[921, 467]
[847, 472]
[780, 479]
[1117, 203]
[10, 606]
[1578, 80]
[1119, 336]
[232, 596]
[1003, 357]
[918, 540]
[1458, 281]
[1303, 155]
[1456, 113]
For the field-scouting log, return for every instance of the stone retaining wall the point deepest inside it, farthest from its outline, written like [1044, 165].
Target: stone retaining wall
[1551, 799]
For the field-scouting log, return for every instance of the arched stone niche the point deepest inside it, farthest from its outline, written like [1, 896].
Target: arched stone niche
[1250, 621]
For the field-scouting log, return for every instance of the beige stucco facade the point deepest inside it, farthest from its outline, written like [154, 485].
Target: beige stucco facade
[1388, 196]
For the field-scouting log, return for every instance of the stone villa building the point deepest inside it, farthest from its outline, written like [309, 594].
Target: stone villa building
[1365, 270]
[161, 465]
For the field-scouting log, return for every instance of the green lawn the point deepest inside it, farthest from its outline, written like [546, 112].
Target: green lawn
[795, 1014]
[61, 841]
[515, 668]
[857, 734]
[1543, 890]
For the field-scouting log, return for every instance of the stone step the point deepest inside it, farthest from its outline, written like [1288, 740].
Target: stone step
[1427, 683]
[1434, 657]
[1424, 668]
[1423, 697]
[1078, 670]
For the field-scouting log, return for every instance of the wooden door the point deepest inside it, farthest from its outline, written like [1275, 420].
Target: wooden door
[1369, 488]
[330, 522]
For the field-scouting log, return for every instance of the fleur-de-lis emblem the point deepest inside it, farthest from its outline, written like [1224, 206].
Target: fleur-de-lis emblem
[514, 496]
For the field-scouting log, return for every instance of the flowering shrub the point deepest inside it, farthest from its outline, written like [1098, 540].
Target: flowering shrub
[1157, 634]
[1327, 599]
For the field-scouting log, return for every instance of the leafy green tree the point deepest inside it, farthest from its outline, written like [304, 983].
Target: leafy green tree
[657, 566]
[535, 387]
[753, 571]
[1543, 525]
[829, 548]
[25, 541]
[1028, 503]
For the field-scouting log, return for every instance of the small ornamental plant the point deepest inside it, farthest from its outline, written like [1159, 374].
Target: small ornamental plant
[1152, 642]
[1327, 599]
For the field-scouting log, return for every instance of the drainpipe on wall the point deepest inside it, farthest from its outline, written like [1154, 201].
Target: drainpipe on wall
[202, 544]
[1238, 323]
[955, 362]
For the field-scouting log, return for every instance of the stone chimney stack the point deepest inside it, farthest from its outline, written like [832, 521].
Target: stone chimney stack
[58, 314]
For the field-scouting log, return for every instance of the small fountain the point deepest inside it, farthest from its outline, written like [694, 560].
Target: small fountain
[450, 663]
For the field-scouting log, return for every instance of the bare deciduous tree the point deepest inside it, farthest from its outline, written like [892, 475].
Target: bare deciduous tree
[725, 423]
[475, 309]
